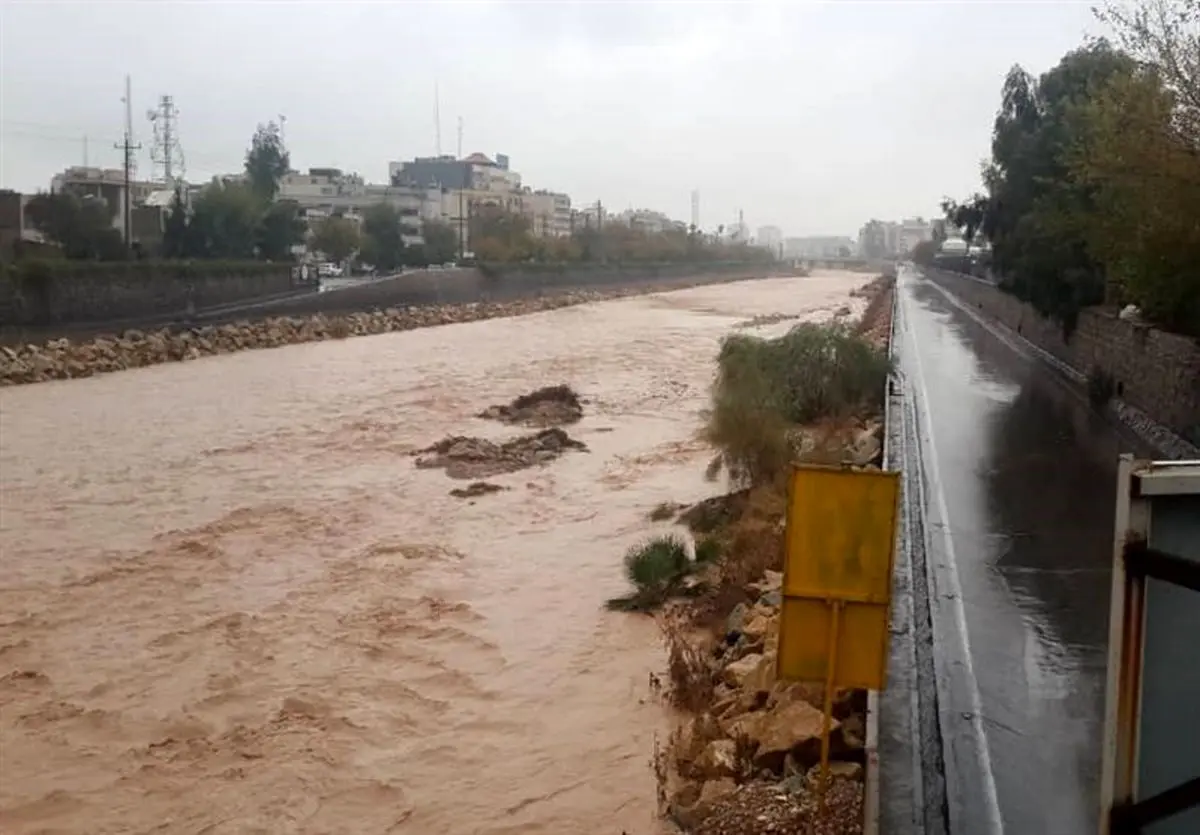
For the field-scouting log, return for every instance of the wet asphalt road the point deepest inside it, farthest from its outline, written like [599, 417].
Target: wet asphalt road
[1019, 492]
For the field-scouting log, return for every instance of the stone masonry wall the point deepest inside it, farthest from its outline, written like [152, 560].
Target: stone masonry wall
[1155, 371]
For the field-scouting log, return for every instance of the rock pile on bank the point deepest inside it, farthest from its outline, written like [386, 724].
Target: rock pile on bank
[64, 359]
[477, 458]
[748, 762]
[549, 406]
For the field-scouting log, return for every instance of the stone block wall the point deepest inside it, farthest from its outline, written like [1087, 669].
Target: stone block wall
[1155, 371]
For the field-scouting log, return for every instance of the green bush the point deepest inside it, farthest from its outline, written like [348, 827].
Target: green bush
[657, 563]
[654, 568]
[765, 387]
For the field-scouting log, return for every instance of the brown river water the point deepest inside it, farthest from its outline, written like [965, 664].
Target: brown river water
[229, 602]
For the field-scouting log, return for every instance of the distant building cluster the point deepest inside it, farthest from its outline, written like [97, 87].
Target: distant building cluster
[887, 239]
[819, 246]
[442, 188]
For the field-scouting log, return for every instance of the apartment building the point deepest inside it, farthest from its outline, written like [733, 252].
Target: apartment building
[819, 246]
[770, 237]
[647, 220]
[549, 213]
[107, 184]
[320, 192]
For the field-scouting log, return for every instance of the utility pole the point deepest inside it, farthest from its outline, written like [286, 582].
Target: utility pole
[127, 146]
[462, 234]
[437, 117]
[85, 152]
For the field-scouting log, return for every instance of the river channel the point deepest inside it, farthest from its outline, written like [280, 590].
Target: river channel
[229, 602]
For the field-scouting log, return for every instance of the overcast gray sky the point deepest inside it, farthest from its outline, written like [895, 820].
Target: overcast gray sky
[811, 116]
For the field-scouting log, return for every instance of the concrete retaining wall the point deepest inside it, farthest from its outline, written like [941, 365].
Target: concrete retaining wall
[1155, 371]
[422, 288]
[71, 294]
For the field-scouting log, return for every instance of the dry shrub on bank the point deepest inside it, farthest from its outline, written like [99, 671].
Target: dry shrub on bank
[693, 677]
[766, 387]
[755, 540]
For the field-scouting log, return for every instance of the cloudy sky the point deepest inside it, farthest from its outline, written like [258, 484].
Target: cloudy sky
[811, 116]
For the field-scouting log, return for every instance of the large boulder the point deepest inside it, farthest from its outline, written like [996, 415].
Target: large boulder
[737, 673]
[718, 759]
[691, 815]
[793, 728]
[694, 736]
[754, 673]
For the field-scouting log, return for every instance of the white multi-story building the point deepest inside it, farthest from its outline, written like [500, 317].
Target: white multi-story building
[647, 220]
[323, 191]
[107, 184]
[549, 213]
[910, 233]
[770, 237]
[819, 246]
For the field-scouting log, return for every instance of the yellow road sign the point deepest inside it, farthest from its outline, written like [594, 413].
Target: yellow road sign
[837, 576]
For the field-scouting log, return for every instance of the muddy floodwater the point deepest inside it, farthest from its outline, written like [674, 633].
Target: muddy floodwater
[230, 603]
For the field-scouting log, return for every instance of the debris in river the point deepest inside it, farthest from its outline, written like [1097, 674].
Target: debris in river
[475, 489]
[549, 406]
[476, 458]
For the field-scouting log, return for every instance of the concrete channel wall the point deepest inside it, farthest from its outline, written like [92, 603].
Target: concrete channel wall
[106, 293]
[1154, 371]
[417, 288]
[422, 288]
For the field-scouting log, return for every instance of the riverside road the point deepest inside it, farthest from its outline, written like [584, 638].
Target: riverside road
[1017, 485]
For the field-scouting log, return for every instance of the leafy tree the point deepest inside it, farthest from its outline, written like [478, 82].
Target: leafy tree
[1145, 176]
[267, 160]
[382, 239]
[1034, 211]
[416, 256]
[337, 237]
[967, 216]
[81, 226]
[224, 223]
[175, 228]
[279, 229]
[1163, 36]
[924, 252]
[441, 241]
[499, 235]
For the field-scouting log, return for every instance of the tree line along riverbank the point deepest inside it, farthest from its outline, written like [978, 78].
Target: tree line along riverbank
[745, 757]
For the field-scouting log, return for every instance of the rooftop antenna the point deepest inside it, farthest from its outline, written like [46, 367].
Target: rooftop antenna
[437, 117]
[460, 156]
